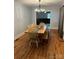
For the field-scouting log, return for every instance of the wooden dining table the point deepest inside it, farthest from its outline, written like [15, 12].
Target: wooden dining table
[36, 29]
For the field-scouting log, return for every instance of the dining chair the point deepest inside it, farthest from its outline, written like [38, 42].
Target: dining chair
[33, 37]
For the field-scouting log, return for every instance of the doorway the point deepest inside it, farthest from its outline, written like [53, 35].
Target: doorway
[44, 17]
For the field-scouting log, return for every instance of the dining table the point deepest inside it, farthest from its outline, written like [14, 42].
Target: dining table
[36, 29]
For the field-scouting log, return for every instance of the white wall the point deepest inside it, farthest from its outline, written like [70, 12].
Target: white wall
[54, 16]
[22, 17]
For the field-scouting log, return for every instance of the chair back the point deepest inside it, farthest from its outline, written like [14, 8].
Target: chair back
[33, 36]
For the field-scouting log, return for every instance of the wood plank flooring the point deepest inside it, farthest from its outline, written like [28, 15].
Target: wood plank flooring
[54, 49]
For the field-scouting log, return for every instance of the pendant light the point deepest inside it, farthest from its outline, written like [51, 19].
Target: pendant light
[39, 8]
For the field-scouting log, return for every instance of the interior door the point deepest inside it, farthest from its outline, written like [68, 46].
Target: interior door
[61, 22]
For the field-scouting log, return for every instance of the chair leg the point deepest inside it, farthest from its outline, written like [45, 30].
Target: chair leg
[30, 44]
[37, 44]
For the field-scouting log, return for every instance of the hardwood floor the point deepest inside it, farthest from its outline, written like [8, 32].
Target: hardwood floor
[54, 49]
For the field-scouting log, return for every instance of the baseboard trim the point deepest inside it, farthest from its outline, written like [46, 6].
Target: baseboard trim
[18, 36]
[54, 29]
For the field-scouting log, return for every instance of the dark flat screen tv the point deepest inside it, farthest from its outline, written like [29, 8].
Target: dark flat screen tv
[44, 20]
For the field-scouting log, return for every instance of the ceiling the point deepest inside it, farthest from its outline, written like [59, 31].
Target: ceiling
[43, 2]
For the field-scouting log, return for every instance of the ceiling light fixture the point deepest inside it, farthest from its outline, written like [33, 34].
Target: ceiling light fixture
[39, 9]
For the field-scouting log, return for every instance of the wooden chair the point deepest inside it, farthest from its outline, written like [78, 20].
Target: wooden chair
[46, 35]
[33, 37]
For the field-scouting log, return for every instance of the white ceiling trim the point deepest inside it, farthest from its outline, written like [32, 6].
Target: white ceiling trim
[43, 2]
